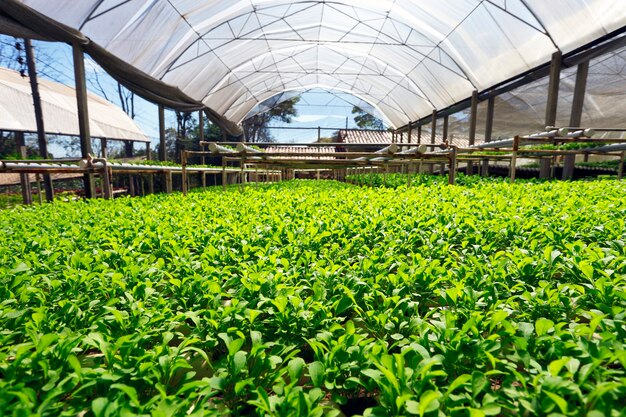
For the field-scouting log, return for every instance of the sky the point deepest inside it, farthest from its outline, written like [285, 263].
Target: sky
[316, 108]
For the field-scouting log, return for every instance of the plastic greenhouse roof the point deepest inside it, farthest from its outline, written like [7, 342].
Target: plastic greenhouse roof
[404, 57]
[106, 120]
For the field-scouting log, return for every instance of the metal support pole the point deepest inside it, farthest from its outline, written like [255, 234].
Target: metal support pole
[162, 149]
[408, 135]
[445, 127]
[201, 134]
[578, 101]
[553, 88]
[419, 134]
[473, 118]
[433, 130]
[103, 145]
[472, 129]
[41, 132]
[491, 104]
[83, 112]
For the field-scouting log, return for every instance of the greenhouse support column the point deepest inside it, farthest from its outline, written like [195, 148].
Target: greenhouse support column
[553, 89]
[83, 113]
[578, 102]
[433, 131]
[408, 134]
[433, 136]
[27, 194]
[319, 134]
[472, 128]
[491, 102]
[103, 145]
[419, 134]
[201, 134]
[165, 179]
[162, 150]
[41, 132]
[150, 177]
[445, 127]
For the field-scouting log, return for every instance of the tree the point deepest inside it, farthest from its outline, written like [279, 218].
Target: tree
[365, 120]
[256, 128]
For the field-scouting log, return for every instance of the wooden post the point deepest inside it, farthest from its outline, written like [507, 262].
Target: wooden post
[544, 167]
[107, 189]
[39, 194]
[484, 171]
[445, 127]
[224, 178]
[620, 169]
[453, 165]
[408, 134]
[242, 175]
[27, 194]
[491, 104]
[83, 112]
[103, 145]
[553, 89]
[183, 162]
[41, 132]
[319, 133]
[131, 185]
[419, 134]
[512, 170]
[168, 181]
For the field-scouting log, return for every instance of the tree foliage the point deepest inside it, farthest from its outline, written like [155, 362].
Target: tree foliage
[256, 127]
[365, 120]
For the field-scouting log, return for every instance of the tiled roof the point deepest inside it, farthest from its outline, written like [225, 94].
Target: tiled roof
[365, 136]
[303, 150]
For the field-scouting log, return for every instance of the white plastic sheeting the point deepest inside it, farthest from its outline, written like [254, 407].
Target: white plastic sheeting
[405, 57]
[59, 110]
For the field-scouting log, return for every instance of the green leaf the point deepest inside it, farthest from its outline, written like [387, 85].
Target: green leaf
[479, 383]
[239, 361]
[558, 400]
[429, 401]
[316, 372]
[412, 407]
[543, 326]
[129, 391]
[295, 367]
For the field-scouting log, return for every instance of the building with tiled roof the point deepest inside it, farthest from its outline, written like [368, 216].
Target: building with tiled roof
[305, 150]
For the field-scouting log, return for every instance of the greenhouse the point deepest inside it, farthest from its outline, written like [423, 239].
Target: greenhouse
[458, 250]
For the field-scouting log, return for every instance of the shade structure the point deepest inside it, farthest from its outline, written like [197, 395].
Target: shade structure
[59, 110]
[404, 57]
